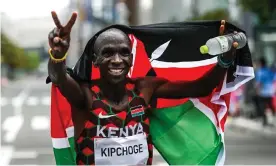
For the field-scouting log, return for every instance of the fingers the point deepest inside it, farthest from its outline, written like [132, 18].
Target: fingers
[72, 21]
[235, 45]
[64, 43]
[56, 20]
[222, 27]
[233, 49]
[221, 30]
[57, 44]
[60, 45]
[56, 40]
[60, 42]
[54, 33]
[51, 35]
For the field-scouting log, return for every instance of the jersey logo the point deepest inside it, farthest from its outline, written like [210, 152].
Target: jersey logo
[137, 111]
[101, 116]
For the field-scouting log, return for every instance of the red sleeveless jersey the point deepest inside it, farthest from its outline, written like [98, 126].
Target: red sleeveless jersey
[104, 122]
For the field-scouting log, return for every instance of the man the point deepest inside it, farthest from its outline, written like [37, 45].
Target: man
[265, 78]
[116, 99]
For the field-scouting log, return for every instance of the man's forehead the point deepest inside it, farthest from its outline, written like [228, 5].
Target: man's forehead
[112, 36]
[115, 45]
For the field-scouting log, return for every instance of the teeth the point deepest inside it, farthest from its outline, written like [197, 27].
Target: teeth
[116, 70]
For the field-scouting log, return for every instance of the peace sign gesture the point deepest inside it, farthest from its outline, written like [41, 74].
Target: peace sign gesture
[59, 37]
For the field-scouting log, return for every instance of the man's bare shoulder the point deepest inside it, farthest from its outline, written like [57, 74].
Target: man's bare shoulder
[148, 81]
[141, 80]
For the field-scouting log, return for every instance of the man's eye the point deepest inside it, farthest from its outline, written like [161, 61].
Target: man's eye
[107, 53]
[126, 54]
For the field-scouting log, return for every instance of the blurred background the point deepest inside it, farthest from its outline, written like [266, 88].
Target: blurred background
[25, 101]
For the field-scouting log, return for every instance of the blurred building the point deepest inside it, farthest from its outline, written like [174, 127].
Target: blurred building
[96, 14]
[30, 33]
[265, 37]
[154, 11]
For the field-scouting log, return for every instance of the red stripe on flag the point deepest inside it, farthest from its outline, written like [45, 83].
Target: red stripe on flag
[141, 64]
[226, 98]
[215, 107]
[164, 103]
[179, 74]
[95, 74]
[60, 114]
[183, 74]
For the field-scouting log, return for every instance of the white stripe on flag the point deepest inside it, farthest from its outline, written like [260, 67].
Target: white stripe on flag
[133, 54]
[60, 143]
[221, 157]
[160, 64]
[243, 75]
[245, 71]
[207, 111]
[70, 132]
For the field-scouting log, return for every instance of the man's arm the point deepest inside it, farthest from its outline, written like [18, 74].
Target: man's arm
[198, 88]
[68, 87]
[59, 40]
[181, 89]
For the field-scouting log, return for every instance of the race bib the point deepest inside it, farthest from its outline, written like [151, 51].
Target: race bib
[132, 150]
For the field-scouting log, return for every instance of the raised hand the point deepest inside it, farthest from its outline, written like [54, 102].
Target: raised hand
[59, 37]
[230, 55]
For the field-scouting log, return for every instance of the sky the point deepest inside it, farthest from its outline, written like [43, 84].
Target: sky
[19, 9]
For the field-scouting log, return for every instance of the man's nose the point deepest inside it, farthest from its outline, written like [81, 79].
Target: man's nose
[116, 59]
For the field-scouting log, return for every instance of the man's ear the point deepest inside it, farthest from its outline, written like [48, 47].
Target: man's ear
[94, 60]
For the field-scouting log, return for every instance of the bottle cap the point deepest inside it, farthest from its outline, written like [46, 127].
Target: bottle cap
[204, 49]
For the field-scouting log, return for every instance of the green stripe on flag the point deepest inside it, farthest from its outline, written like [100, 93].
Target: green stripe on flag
[64, 151]
[72, 147]
[64, 156]
[184, 135]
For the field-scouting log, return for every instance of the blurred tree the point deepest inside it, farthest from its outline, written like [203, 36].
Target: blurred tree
[33, 60]
[10, 53]
[259, 7]
[217, 14]
[16, 58]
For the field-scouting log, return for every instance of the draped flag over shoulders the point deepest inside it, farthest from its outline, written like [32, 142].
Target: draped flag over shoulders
[184, 131]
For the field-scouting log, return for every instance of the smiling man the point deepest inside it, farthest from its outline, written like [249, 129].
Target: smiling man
[111, 119]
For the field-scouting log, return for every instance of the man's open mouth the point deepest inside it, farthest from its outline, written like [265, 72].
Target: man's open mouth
[115, 71]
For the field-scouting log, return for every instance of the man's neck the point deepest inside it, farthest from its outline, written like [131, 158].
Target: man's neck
[113, 92]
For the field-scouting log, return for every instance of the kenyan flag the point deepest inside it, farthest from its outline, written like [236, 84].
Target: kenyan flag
[62, 129]
[184, 131]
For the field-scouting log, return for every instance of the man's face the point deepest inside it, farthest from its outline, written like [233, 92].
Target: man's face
[113, 56]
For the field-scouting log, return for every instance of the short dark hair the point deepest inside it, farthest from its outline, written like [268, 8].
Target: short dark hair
[112, 30]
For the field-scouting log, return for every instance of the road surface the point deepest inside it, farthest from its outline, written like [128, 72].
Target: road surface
[25, 135]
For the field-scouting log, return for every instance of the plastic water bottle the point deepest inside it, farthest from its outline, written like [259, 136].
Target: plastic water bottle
[222, 44]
